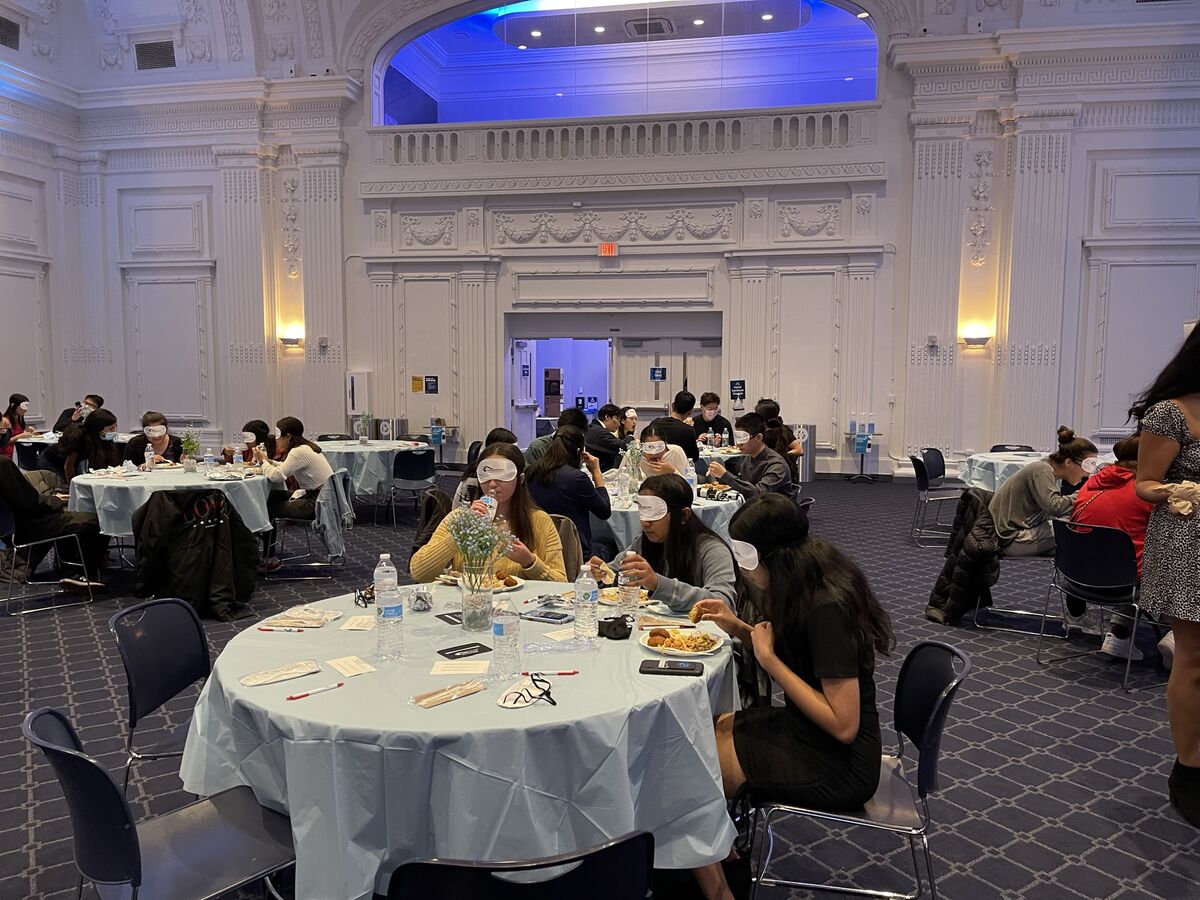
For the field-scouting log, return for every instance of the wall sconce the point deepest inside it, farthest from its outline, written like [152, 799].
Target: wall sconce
[975, 335]
[978, 342]
[291, 341]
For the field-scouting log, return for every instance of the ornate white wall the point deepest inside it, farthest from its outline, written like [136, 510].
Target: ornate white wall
[1031, 171]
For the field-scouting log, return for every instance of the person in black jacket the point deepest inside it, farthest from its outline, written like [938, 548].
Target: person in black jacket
[74, 415]
[35, 520]
[155, 434]
[712, 420]
[602, 441]
[557, 486]
[677, 429]
[91, 443]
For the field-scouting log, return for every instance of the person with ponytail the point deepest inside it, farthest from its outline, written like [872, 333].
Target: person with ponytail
[1168, 467]
[812, 623]
[12, 424]
[1024, 505]
[780, 437]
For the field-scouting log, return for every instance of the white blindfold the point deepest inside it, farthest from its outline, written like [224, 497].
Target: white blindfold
[249, 437]
[651, 509]
[1091, 465]
[154, 431]
[746, 555]
[496, 469]
[741, 437]
[654, 447]
[631, 413]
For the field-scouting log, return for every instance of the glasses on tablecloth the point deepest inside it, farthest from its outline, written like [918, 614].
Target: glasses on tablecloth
[365, 597]
[528, 697]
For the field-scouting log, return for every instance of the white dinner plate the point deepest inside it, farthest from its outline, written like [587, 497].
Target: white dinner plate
[668, 651]
[609, 597]
[498, 589]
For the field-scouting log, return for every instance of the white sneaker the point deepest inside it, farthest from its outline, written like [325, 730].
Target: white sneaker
[1086, 623]
[1166, 649]
[1120, 647]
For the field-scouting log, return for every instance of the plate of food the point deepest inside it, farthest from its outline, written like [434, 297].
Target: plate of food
[716, 487]
[500, 583]
[682, 642]
[167, 464]
[609, 596]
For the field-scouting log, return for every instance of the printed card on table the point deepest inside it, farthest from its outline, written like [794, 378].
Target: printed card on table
[351, 666]
[358, 623]
[459, 667]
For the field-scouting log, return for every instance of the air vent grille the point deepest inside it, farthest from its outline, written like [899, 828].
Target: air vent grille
[10, 34]
[155, 55]
[655, 27]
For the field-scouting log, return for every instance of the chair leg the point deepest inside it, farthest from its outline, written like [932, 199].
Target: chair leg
[912, 846]
[1129, 653]
[929, 866]
[79, 890]
[128, 769]
[765, 851]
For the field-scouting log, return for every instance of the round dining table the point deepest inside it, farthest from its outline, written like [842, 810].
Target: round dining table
[114, 498]
[369, 464]
[370, 780]
[990, 470]
[623, 525]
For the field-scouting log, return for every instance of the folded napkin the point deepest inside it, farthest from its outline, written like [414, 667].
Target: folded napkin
[281, 673]
[302, 617]
[1185, 498]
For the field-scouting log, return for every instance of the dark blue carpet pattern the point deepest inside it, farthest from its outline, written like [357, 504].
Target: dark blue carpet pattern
[1053, 779]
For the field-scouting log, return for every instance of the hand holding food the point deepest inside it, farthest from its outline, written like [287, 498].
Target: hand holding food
[718, 611]
[762, 637]
[716, 470]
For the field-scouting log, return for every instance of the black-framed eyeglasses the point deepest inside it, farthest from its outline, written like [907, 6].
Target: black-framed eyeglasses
[365, 597]
[541, 692]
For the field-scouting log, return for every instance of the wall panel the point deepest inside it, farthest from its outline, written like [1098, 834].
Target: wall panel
[810, 323]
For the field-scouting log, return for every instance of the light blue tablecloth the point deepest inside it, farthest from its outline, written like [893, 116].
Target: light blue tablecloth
[369, 465]
[990, 470]
[114, 500]
[371, 781]
[623, 525]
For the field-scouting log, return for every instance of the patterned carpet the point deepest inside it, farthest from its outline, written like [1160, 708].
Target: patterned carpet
[1053, 779]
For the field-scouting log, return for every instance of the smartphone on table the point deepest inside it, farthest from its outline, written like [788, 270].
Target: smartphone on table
[670, 667]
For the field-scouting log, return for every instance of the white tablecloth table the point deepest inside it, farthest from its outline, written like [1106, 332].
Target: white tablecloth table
[370, 464]
[624, 524]
[114, 500]
[371, 781]
[51, 437]
[990, 470]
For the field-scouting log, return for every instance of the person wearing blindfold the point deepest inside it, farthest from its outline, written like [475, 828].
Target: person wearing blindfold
[536, 553]
[810, 621]
[255, 433]
[302, 471]
[167, 447]
[468, 485]
[659, 457]
[12, 424]
[627, 430]
[763, 471]
[678, 558]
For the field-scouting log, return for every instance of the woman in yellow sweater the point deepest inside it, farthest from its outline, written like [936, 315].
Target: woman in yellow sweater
[536, 553]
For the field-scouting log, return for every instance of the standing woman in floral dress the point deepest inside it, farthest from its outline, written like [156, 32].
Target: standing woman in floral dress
[1168, 415]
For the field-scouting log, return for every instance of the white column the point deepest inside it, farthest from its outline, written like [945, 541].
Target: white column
[752, 333]
[387, 395]
[478, 367]
[245, 352]
[1030, 317]
[320, 200]
[857, 351]
[937, 217]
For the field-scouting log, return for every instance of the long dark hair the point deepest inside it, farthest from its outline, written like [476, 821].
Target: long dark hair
[1180, 377]
[805, 569]
[1071, 447]
[679, 552]
[90, 446]
[15, 417]
[565, 450]
[521, 506]
[262, 435]
[293, 429]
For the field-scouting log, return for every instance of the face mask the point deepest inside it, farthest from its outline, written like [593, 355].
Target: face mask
[741, 437]
[746, 555]
[83, 411]
[154, 431]
[651, 509]
[1091, 465]
[109, 435]
[24, 407]
[496, 468]
[709, 414]
[652, 448]
[249, 437]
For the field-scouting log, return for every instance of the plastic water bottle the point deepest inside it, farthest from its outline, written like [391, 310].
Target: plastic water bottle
[690, 475]
[149, 458]
[491, 503]
[506, 640]
[711, 437]
[389, 611]
[209, 460]
[629, 594]
[587, 598]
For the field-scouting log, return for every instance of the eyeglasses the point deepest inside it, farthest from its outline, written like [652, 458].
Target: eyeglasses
[528, 697]
[365, 597]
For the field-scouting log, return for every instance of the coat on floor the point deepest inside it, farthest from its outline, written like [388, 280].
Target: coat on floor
[972, 561]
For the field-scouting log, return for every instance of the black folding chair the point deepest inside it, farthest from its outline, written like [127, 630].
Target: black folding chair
[412, 473]
[473, 453]
[205, 849]
[935, 468]
[1098, 565]
[8, 534]
[337, 488]
[164, 651]
[622, 869]
[925, 689]
[918, 530]
[1011, 448]
[334, 437]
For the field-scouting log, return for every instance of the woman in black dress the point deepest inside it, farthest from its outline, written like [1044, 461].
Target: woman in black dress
[813, 625]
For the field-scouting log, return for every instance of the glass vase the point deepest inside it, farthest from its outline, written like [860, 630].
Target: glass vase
[476, 584]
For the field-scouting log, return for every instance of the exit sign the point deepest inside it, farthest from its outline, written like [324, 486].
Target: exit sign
[608, 248]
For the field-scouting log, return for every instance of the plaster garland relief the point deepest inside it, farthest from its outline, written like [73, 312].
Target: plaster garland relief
[980, 220]
[291, 226]
[589, 226]
[807, 220]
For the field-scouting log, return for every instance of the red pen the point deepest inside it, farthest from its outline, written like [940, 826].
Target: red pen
[281, 629]
[320, 690]
[571, 672]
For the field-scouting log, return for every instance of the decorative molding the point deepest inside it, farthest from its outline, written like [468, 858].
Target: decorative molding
[926, 357]
[441, 231]
[1044, 355]
[194, 12]
[980, 220]
[281, 47]
[291, 226]
[827, 219]
[312, 28]
[1043, 152]
[159, 159]
[875, 171]
[88, 354]
[591, 225]
[250, 354]
[275, 10]
[233, 29]
[199, 49]
[944, 8]
[1141, 114]
[938, 159]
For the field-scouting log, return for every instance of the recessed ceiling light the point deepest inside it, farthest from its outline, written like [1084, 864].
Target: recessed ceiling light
[848, 78]
[535, 34]
[864, 15]
[559, 94]
[697, 22]
[522, 47]
[767, 17]
[599, 29]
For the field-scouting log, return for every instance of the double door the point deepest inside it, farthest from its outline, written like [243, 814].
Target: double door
[692, 364]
